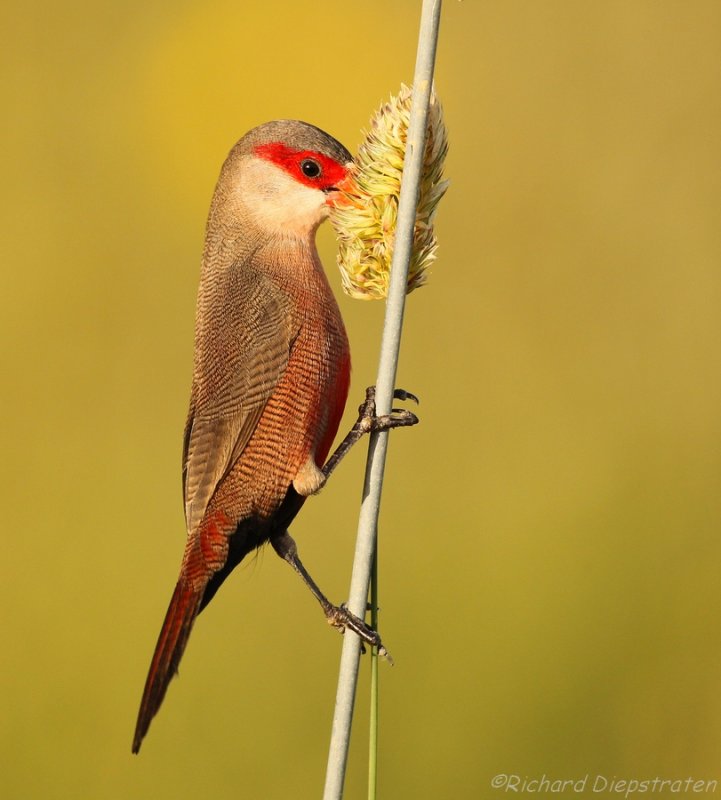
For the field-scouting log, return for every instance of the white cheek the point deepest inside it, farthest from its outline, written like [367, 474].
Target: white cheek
[277, 202]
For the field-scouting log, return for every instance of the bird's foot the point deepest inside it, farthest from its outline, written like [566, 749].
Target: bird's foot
[369, 422]
[343, 619]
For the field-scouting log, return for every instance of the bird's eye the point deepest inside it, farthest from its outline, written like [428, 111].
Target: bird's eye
[310, 168]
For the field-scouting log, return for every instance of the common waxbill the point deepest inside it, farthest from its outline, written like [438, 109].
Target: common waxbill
[270, 376]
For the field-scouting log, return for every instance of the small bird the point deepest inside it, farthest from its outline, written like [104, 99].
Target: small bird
[270, 377]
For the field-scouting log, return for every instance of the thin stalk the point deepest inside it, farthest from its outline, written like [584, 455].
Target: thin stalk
[390, 347]
[373, 722]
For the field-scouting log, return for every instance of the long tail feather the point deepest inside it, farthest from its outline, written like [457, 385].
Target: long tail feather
[182, 611]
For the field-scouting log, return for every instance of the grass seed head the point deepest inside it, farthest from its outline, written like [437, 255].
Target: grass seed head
[364, 216]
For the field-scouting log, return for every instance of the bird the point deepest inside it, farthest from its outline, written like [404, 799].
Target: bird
[271, 375]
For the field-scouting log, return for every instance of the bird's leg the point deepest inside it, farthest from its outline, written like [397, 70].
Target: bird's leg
[338, 616]
[368, 422]
[284, 545]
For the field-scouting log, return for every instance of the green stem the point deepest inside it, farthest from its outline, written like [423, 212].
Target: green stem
[373, 736]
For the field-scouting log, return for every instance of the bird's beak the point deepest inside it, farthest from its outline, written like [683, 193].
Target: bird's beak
[334, 192]
[331, 196]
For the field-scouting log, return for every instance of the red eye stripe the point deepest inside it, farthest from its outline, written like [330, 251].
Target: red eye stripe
[290, 160]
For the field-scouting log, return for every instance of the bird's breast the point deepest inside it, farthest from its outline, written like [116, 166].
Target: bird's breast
[302, 415]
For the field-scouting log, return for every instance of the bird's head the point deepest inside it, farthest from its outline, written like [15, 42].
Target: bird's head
[285, 174]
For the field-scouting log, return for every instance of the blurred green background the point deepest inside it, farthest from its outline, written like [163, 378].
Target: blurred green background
[550, 534]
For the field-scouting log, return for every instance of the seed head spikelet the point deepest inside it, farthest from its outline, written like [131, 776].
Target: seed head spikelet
[364, 216]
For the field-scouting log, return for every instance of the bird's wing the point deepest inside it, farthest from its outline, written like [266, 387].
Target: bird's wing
[243, 354]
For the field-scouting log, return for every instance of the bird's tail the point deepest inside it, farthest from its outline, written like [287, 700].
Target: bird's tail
[182, 611]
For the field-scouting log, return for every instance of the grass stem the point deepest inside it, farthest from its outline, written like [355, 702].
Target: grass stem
[385, 384]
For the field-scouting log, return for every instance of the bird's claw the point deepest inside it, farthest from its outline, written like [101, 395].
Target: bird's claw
[343, 619]
[402, 394]
[398, 418]
[398, 394]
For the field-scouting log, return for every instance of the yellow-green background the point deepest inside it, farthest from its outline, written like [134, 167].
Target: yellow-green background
[551, 532]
